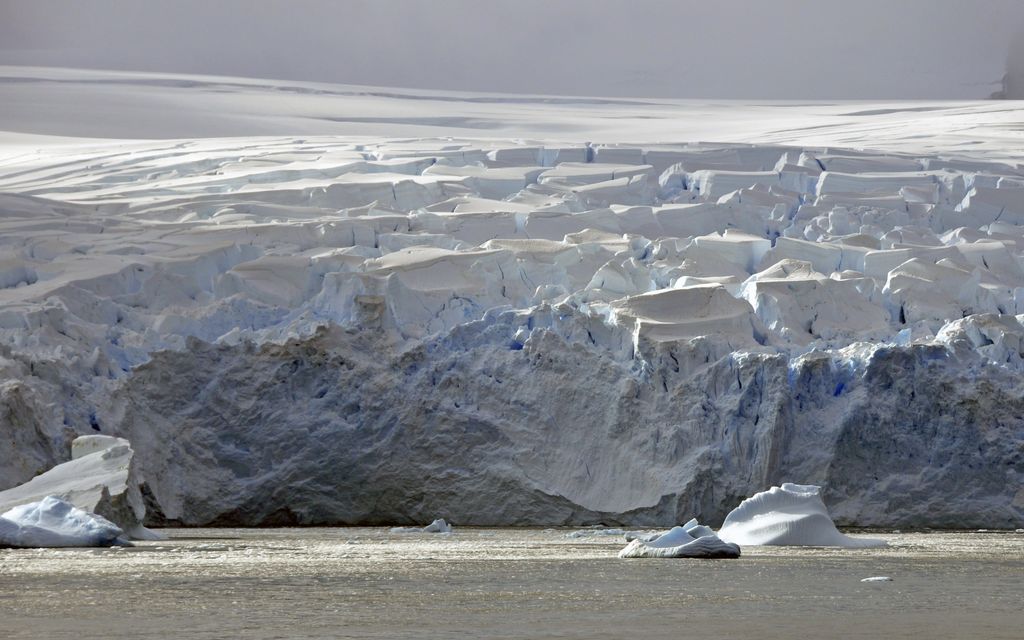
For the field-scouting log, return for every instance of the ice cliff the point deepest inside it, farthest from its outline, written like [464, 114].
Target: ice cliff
[320, 330]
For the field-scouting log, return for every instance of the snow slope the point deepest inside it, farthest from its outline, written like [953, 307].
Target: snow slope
[384, 306]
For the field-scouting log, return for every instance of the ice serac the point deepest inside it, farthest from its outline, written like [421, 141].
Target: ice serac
[790, 515]
[690, 540]
[672, 315]
[52, 522]
[800, 305]
[98, 479]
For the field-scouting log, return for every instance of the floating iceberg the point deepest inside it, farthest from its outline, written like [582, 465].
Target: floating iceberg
[790, 515]
[53, 522]
[437, 526]
[691, 540]
[95, 480]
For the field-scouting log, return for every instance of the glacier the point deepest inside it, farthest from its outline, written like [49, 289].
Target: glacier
[309, 324]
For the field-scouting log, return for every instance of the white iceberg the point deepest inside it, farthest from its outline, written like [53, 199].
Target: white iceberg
[790, 515]
[95, 480]
[692, 527]
[53, 522]
[692, 540]
[437, 526]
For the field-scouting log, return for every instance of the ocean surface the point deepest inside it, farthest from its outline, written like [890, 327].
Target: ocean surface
[507, 583]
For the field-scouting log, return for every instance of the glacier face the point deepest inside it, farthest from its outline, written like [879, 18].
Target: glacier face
[336, 428]
[335, 330]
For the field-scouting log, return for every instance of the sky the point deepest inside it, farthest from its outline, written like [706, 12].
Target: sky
[747, 49]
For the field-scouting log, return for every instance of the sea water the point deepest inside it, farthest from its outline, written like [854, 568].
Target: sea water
[507, 583]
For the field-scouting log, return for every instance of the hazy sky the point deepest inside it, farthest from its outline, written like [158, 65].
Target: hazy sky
[767, 49]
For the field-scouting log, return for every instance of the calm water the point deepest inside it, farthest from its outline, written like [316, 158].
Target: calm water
[506, 583]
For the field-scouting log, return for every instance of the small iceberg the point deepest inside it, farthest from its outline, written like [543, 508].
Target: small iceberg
[877, 579]
[692, 528]
[595, 533]
[99, 479]
[53, 522]
[437, 526]
[790, 515]
[692, 540]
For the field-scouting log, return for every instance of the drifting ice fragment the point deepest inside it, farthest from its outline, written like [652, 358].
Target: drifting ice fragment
[693, 528]
[437, 526]
[790, 515]
[691, 540]
[53, 522]
[588, 533]
[877, 579]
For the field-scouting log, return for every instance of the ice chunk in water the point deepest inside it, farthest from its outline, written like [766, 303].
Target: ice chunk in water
[791, 515]
[53, 522]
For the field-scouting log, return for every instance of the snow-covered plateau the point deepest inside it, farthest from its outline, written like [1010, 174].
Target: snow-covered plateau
[316, 304]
